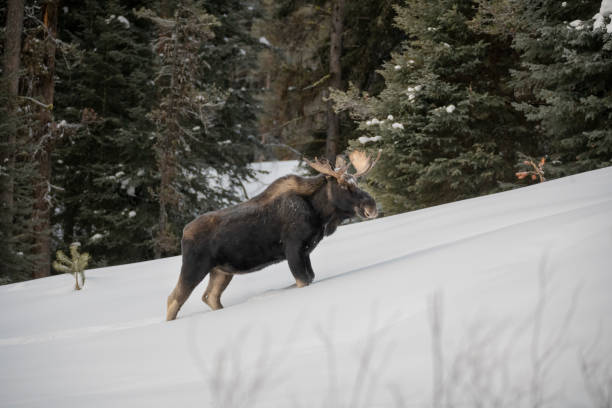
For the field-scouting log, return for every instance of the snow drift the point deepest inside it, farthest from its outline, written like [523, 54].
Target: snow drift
[503, 299]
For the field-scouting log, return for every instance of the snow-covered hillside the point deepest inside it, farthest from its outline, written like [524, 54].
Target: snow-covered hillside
[503, 300]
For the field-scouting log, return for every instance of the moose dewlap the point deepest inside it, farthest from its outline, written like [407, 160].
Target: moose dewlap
[284, 222]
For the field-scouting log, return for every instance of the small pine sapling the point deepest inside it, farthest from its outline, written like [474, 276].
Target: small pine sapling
[75, 265]
[533, 170]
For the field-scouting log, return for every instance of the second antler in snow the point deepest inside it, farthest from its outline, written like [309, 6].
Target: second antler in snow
[286, 221]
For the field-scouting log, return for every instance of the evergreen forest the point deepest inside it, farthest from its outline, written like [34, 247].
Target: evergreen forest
[120, 121]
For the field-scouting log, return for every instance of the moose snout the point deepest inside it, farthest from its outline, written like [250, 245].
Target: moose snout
[368, 207]
[370, 212]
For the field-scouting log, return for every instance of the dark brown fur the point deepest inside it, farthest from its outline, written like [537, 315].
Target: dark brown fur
[286, 221]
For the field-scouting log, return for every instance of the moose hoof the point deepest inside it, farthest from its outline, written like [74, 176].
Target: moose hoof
[214, 304]
[173, 308]
[300, 284]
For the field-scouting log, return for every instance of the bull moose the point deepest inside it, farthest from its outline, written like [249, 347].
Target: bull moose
[285, 221]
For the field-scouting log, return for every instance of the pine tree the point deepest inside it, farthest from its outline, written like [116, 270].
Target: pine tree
[294, 71]
[27, 135]
[335, 76]
[17, 245]
[11, 17]
[11, 60]
[39, 53]
[444, 121]
[74, 265]
[105, 164]
[565, 83]
[232, 59]
[292, 74]
[200, 167]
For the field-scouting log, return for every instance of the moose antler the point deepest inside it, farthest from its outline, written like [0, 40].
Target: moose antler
[324, 167]
[362, 163]
[340, 162]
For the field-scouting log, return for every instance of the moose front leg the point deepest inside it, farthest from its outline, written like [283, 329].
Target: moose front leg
[299, 264]
[309, 270]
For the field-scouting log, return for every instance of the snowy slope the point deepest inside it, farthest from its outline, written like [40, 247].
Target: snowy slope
[522, 282]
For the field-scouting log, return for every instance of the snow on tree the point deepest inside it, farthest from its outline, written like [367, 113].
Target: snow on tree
[606, 8]
[454, 133]
[564, 83]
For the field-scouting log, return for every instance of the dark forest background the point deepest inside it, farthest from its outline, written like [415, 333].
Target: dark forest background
[120, 121]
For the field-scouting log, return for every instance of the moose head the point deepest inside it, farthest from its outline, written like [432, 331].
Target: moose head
[342, 190]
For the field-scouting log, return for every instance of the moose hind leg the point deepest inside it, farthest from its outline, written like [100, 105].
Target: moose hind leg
[192, 273]
[216, 285]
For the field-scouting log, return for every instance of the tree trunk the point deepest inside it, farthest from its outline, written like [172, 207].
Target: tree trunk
[44, 142]
[335, 71]
[166, 146]
[165, 239]
[12, 54]
[166, 8]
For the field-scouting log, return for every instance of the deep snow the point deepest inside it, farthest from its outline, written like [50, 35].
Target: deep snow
[522, 279]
